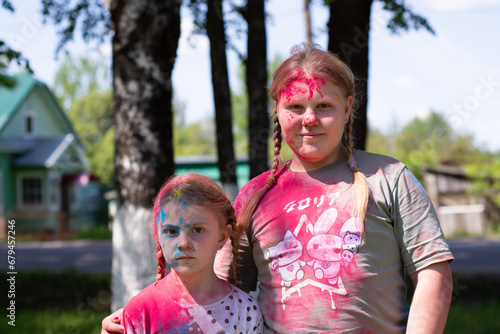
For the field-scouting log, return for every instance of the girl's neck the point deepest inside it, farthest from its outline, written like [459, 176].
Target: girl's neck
[300, 165]
[201, 290]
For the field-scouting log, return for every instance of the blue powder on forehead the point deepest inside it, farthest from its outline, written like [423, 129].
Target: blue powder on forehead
[161, 216]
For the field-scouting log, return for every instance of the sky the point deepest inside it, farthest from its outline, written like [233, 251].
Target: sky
[455, 72]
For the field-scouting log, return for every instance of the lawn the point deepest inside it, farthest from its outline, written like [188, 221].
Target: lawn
[72, 302]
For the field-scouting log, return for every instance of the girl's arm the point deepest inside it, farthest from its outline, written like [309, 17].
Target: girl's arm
[112, 323]
[431, 300]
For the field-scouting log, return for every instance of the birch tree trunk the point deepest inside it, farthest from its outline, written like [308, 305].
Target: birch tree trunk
[144, 51]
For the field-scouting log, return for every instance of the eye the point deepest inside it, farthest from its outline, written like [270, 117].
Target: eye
[324, 106]
[198, 230]
[294, 107]
[170, 231]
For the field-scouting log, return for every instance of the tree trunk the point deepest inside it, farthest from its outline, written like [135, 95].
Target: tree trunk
[222, 97]
[307, 16]
[256, 80]
[349, 28]
[144, 51]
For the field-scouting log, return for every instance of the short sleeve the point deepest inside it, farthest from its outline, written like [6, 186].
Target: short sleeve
[416, 225]
[133, 318]
[254, 321]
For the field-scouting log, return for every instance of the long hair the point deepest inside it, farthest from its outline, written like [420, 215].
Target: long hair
[195, 189]
[310, 59]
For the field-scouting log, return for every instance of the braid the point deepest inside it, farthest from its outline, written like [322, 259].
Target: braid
[162, 264]
[362, 192]
[271, 179]
[252, 203]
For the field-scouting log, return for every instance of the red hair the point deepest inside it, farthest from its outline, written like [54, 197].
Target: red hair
[195, 189]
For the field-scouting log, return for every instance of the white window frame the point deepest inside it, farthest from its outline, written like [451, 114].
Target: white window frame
[20, 190]
[32, 115]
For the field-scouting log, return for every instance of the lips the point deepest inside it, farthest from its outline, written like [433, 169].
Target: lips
[310, 135]
[185, 258]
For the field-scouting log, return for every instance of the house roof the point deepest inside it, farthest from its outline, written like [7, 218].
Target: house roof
[44, 152]
[11, 99]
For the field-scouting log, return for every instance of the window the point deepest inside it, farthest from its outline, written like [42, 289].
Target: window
[29, 124]
[31, 190]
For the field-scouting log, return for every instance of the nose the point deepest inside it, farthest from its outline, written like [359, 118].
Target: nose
[310, 117]
[184, 241]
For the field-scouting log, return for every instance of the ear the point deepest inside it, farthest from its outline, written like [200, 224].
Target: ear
[348, 107]
[224, 235]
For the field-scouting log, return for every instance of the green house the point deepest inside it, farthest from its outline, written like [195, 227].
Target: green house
[44, 183]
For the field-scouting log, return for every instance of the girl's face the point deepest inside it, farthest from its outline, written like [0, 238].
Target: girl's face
[312, 114]
[190, 236]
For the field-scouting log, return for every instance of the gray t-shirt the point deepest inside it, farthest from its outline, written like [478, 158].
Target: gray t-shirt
[316, 271]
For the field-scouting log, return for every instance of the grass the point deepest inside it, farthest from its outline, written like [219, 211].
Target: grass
[75, 303]
[54, 321]
[474, 318]
[58, 303]
[475, 305]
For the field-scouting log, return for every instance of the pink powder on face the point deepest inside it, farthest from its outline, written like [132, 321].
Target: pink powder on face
[302, 84]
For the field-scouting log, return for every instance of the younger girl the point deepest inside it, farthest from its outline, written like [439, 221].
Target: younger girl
[193, 218]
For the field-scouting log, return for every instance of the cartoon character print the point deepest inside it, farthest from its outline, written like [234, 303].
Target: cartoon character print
[325, 249]
[352, 240]
[285, 259]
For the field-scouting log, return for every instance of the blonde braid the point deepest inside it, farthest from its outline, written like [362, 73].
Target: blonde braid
[251, 205]
[361, 190]
[271, 179]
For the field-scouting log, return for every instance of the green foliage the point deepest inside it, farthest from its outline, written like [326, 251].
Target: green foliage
[486, 179]
[102, 156]
[91, 16]
[100, 231]
[82, 87]
[91, 118]
[380, 143]
[195, 139]
[403, 17]
[425, 141]
[75, 79]
[8, 55]
[240, 122]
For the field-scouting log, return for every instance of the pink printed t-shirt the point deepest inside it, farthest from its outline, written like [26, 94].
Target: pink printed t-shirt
[316, 272]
